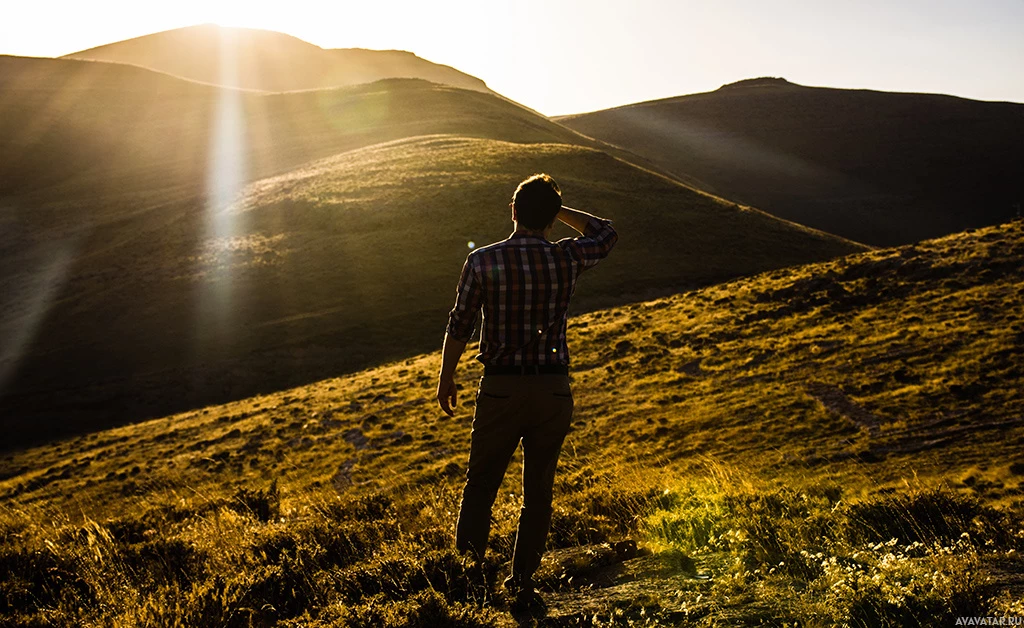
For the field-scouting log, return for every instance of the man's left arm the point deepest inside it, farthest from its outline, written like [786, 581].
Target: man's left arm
[446, 391]
[457, 335]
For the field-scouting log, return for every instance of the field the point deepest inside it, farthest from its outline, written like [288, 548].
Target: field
[134, 287]
[834, 443]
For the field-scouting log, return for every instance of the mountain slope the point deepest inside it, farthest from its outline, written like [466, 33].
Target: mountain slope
[339, 265]
[876, 167]
[814, 442]
[268, 61]
[165, 247]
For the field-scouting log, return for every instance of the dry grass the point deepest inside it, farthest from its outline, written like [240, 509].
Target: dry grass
[830, 444]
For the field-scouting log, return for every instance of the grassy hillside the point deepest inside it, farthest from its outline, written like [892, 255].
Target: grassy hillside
[269, 61]
[875, 167]
[831, 444]
[339, 265]
[170, 244]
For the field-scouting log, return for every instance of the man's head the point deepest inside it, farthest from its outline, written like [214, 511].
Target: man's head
[536, 202]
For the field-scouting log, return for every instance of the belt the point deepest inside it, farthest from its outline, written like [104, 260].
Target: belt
[526, 369]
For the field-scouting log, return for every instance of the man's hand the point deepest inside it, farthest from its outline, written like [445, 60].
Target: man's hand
[446, 392]
[453, 348]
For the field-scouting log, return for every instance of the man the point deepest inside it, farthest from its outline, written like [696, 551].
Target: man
[523, 284]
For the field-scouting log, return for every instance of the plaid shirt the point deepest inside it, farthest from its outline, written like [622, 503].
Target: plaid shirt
[523, 284]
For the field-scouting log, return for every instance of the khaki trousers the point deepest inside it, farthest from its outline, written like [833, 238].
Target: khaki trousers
[535, 410]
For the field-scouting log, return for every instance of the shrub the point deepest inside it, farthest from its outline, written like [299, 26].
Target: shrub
[265, 505]
[689, 518]
[923, 516]
[601, 512]
[160, 561]
[34, 579]
[889, 586]
[372, 507]
[426, 609]
[278, 591]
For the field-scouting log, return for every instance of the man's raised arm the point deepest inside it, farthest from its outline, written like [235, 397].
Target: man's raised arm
[597, 239]
[575, 218]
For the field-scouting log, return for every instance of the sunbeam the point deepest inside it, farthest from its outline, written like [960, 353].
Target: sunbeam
[227, 163]
[735, 150]
[226, 175]
[41, 288]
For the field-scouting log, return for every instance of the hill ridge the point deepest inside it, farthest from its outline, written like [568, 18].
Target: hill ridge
[883, 168]
[737, 86]
[267, 60]
[194, 28]
[761, 81]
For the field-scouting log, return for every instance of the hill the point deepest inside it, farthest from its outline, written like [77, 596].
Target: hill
[339, 265]
[269, 61]
[170, 244]
[837, 443]
[74, 128]
[876, 167]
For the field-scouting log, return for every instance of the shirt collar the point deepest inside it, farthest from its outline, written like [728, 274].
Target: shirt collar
[516, 236]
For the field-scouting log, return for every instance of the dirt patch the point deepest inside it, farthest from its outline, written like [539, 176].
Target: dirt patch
[836, 401]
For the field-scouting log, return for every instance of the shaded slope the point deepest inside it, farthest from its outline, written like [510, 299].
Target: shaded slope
[760, 383]
[341, 264]
[96, 157]
[876, 167]
[268, 61]
[101, 164]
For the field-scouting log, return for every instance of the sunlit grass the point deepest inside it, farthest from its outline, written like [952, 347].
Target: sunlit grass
[739, 454]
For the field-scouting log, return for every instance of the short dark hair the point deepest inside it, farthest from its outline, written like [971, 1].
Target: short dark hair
[537, 201]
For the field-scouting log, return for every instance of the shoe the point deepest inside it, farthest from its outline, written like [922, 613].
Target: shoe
[524, 597]
[529, 602]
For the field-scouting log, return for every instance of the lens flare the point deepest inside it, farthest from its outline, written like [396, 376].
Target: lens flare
[226, 176]
[227, 159]
[42, 286]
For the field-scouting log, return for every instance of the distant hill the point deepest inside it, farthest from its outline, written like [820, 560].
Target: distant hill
[269, 61]
[82, 125]
[876, 167]
[137, 281]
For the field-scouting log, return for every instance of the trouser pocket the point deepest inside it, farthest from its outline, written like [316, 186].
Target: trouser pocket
[492, 395]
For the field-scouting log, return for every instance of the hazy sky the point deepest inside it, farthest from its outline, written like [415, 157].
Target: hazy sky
[565, 56]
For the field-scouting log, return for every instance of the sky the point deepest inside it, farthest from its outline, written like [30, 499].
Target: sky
[571, 56]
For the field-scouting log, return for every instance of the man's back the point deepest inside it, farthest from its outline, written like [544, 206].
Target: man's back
[523, 285]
